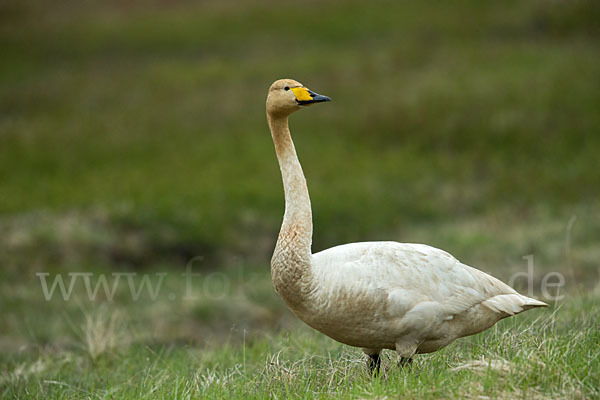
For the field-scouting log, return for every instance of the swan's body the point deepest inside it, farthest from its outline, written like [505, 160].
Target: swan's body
[411, 298]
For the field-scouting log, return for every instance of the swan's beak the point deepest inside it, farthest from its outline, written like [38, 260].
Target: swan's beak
[305, 96]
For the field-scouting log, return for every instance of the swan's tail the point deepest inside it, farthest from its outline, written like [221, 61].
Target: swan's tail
[512, 304]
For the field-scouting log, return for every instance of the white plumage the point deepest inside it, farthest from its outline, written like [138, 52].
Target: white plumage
[412, 298]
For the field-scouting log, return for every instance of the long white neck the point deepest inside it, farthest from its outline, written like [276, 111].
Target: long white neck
[291, 262]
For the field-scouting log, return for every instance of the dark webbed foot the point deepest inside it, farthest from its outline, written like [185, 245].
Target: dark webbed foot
[374, 363]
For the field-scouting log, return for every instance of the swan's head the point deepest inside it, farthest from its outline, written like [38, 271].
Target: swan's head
[286, 96]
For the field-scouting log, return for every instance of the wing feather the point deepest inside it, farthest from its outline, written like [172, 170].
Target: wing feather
[410, 274]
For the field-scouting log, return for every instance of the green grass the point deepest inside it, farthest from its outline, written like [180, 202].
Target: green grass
[546, 354]
[133, 138]
[235, 338]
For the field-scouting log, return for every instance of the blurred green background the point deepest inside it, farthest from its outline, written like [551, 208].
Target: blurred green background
[133, 137]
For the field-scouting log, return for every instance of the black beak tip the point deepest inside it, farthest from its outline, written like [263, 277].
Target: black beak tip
[319, 98]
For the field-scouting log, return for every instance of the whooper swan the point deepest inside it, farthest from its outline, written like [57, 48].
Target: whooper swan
[407, 297]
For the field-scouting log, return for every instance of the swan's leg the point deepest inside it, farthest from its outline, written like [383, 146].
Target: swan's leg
[406, 350]
[404, 361]
[374, 361]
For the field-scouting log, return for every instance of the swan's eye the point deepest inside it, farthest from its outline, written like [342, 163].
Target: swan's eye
[286, 88]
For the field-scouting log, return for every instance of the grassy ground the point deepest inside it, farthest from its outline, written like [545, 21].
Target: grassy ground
[545, 354]
[133, 139]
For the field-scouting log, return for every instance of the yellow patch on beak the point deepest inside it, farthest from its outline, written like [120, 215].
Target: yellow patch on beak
[302, 94]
